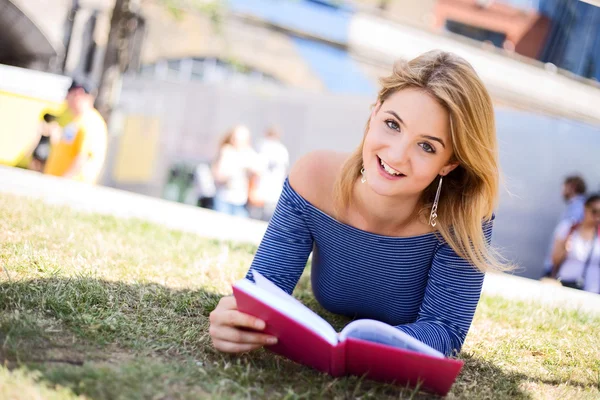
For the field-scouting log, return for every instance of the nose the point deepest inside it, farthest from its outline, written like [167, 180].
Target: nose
[399, 153]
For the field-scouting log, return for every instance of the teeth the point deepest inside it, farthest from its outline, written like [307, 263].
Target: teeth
[389, 169]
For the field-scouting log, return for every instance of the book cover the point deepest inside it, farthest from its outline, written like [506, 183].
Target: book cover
[364, 347]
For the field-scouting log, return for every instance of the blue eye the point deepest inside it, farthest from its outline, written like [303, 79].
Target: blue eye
[427, 147]
[392, 124]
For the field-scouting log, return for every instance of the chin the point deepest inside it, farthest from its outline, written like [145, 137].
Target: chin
[386, 188]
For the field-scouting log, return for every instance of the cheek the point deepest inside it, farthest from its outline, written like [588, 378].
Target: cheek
[424, 170]
[375, 138]
[370, 144]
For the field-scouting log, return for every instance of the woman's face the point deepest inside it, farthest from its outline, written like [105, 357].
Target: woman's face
[407, 144]
[592, 213]
[240, 137]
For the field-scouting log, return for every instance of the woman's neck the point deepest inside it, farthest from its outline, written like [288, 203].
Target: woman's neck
[589, 225]
[386, 214]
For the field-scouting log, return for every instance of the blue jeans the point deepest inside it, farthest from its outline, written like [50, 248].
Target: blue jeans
[231, 209]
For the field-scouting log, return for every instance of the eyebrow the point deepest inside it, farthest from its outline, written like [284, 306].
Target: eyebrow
[434, 138]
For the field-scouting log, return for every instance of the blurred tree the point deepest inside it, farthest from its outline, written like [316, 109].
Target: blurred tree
[125, 22]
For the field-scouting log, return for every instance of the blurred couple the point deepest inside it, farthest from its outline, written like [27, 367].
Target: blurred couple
[247, 182]
[574, 255]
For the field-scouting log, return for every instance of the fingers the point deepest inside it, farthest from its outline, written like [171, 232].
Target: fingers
[230, 347]
[233, 331]
[239, 336]
[227, 303]
[231, 317]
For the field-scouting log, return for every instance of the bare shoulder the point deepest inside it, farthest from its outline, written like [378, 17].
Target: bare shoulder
[314, 174]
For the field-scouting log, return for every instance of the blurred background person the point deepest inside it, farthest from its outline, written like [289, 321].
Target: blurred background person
[49, 135]
[573, 193]
[81, 151]
[204, 184]
[576, 252]
[266, 187]
[236, 162]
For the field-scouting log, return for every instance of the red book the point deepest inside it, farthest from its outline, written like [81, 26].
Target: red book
[364, 347]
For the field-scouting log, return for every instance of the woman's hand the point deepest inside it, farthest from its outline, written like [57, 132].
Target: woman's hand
[229, 329]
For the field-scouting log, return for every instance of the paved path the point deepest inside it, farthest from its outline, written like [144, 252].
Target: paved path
[104, 200]
[211, 224]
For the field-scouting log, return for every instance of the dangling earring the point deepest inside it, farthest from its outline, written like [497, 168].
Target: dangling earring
[433, 215]
[363, 179]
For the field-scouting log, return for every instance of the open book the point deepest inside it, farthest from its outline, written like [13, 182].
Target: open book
[364, 347]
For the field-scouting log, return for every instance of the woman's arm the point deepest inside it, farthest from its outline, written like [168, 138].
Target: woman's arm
[451, 297]
[221, 168]
[257, 163]
[287, 243]
[559, 253]
[560, 248]
[281, 258]
[281, 255]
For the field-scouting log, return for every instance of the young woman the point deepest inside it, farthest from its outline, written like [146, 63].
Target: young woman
[236, 162]
[576, 253]
[399, 229]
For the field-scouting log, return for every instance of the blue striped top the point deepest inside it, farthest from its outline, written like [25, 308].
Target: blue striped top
[417, 284]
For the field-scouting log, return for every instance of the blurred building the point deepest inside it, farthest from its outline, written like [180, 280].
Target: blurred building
[24, 42]
[306, 44]
[573, 42]
[298, 44]
[523, 31]
[565, 33]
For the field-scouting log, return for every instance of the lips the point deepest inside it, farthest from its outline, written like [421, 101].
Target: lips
[388, 172]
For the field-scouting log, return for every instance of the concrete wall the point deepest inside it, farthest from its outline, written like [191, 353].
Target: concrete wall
[193, 116]
[521, 82]
[536, 151]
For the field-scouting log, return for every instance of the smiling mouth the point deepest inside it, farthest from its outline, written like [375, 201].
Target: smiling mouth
[389, 170]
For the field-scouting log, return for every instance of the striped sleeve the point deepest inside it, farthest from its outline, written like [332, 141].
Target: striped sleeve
[287, 243]
[451, 296]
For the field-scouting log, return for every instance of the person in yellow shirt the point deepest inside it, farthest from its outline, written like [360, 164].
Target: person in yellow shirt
[81, 151]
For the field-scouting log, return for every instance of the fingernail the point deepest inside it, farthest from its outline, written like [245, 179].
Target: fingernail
[272, 340]
[259, 324]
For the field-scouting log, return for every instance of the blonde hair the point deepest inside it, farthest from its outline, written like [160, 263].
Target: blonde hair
[470, 192]
[227, 138]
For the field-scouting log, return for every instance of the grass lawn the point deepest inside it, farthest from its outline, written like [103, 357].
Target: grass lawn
[102, 308]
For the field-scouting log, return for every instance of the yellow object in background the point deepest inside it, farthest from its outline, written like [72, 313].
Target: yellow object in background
[136, 153]
[20, 118]
[25, 95]
[61, 112]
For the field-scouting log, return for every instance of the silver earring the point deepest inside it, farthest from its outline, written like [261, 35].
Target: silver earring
[433, 216]
[363, 179]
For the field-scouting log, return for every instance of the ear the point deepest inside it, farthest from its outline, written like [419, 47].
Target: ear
[449, 168]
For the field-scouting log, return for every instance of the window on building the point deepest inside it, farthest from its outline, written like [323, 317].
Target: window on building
[207, 69]
[475, 32]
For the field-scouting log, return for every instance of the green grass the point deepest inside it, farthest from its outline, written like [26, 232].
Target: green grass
[105, 308]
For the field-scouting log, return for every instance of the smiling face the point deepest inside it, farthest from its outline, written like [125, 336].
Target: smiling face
[407, 144]
[78, 101]
[592, 213]
[241, 137]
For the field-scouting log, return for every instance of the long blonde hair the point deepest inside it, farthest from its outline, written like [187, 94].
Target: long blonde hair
[470, 192]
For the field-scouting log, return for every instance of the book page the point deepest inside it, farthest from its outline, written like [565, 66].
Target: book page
[272, 288]
[270, 294]
[382, 333]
